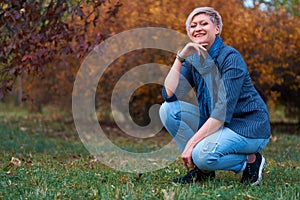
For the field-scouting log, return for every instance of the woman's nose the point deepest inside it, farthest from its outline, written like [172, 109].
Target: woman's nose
[198, 27]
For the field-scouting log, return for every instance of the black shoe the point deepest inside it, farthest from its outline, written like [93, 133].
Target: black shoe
[253, 171]
[195, 175]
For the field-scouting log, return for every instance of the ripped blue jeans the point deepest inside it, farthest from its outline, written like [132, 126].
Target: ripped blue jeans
[222, 150]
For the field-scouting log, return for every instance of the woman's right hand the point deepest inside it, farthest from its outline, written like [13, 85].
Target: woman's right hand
[190, 48]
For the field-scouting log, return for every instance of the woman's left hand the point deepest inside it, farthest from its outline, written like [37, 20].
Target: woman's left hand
[186, 157]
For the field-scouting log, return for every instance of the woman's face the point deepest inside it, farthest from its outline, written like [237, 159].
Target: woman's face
[203, 31]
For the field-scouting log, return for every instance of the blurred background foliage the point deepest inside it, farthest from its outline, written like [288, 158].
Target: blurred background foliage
[43, 44]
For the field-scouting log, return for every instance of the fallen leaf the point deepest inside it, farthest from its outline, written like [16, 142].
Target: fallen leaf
[168, 195]
[247, 196]
[70, 164]
[124, 179]
[92, 162]
[23, 129]
[273, 138]
[226, 187]
[95, 192]
[28, 163]
[15, 162]
[10, 173]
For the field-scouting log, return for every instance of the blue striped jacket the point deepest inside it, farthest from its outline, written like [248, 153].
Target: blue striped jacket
[224, 91]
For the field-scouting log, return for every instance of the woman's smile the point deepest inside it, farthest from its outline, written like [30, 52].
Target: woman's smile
[203, 30]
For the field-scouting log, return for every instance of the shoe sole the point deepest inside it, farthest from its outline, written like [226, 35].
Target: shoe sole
[260, 172]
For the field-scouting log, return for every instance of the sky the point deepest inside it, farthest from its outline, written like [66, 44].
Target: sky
[249, 3]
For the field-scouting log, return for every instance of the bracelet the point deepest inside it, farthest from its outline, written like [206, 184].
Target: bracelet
[181, 59]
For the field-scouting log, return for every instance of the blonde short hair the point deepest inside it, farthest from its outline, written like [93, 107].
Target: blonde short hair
[214, 16]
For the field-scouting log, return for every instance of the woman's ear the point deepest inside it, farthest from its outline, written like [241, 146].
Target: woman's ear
[217, 30]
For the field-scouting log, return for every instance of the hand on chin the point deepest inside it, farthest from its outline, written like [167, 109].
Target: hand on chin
[202, 43]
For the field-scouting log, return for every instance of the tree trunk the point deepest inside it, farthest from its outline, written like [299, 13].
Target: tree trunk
[19, 92]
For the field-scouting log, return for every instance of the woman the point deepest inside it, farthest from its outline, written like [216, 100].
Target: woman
[230, 125]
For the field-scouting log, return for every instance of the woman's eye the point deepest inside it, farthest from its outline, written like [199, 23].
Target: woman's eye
[204, 23]
[193, 26]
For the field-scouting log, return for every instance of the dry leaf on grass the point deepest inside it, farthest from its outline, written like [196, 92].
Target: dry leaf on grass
[168, 195]
[15, 162]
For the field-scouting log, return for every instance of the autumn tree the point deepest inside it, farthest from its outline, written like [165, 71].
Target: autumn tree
[35, 33]
[267, 39]
[269, 42]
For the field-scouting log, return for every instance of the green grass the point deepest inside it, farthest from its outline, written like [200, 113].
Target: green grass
[55, 165]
